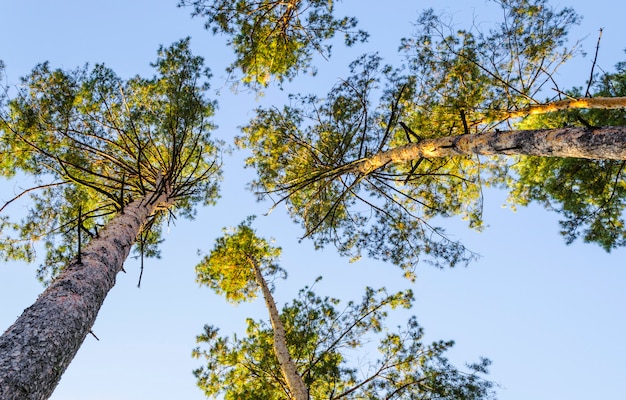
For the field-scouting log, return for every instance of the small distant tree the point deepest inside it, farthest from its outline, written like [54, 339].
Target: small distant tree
[305, 352]
[111, 161]
[371, 176]
[275, 38]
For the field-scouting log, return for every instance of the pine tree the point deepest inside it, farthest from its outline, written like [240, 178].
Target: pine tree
[112, 160]
[304, 352]
[369, 166]
[272, 38]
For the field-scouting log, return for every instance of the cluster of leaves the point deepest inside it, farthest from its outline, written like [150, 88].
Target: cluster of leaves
[275, 38]
[484, 75]
[321, 338]
[589, 194]
[229, 268]
[94, 142]
[455, 82]
[304, 152]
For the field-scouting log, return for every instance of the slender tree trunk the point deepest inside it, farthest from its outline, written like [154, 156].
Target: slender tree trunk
[596, 103]
[295, 383]
[608, 143]
[37, 349]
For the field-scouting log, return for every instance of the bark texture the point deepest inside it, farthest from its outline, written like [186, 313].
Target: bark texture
[296, 385]
[39, 346]
[608, 143]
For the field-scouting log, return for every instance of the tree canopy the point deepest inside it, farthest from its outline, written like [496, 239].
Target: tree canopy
[589, 194]
[104, 153]
[275, 38]
[92, 142]
[322, 339]
[228, 269]
[373, 167]
[356, 168]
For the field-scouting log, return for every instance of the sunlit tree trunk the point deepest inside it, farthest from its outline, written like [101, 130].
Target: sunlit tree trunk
[595, 103]
[297, 388]
[608, 143]
[37, 349]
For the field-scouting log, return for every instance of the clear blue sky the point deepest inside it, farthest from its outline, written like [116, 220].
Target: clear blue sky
[550, 316]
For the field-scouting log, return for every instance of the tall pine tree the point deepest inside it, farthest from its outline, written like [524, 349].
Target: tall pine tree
[112, 160]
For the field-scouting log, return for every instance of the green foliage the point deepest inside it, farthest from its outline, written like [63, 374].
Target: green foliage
[455, 83]
[485, 73]
[590, 195]
[92, 141]
[274, 38]
[229, 268]
[321, 338]
[304, 154]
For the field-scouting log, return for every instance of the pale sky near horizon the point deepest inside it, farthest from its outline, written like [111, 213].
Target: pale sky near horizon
[550, 316]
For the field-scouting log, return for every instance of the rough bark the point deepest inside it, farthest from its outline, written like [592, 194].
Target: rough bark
[608, 143]
[296, 385]
[37, 349]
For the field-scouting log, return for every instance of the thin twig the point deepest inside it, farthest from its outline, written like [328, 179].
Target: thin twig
[80, 222]
[595, 59]
[30, 190]
[141, 242]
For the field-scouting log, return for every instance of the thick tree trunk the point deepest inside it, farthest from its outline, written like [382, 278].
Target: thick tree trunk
[608, 143]
[295, 383]
[39, 346]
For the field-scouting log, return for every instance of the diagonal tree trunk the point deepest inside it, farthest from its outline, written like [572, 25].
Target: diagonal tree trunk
[37, 349]
[295, 383]
[607, 143]
[595, 103]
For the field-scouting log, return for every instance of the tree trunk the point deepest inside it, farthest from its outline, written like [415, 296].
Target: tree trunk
[37, 349]
[596, 103]
[295, 383]
[608, 143]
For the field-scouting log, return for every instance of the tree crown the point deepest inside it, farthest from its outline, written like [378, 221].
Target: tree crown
[229, 268]
[275, 38]
[93, 142]
[322, 337]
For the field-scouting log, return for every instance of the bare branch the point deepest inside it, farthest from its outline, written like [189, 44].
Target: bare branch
[31, 190]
